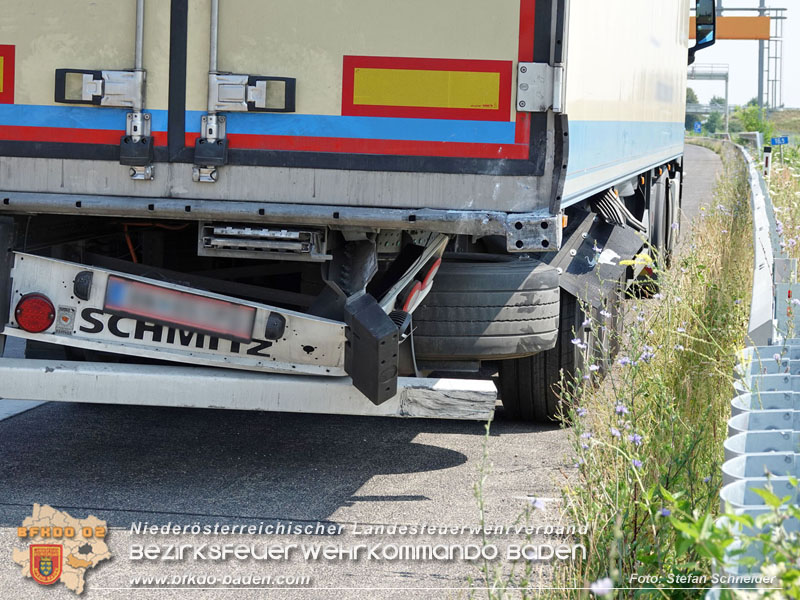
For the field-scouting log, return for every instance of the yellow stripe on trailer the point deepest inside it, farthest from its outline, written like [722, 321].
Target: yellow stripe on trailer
[425, 88]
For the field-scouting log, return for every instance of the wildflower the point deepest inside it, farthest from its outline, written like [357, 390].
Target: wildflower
[681, 330]
[675, 226]
[621, 409]
[737, 301]
[579, 463]
[587, 377]
[665, 512]
[586, 435]
[615, 432]
[635, 438]
[586, 323]
[707, 478]
[776, 357]
[537, 503]
[724, 231]
[581, 412]
[658, 296]
[577, 341]
[636, 463]
[594, 368]
[679, 347]
[605, 313]
[602, 587]
[624, 361]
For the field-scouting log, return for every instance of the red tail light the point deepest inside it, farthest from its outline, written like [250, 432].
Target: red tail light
[35, 313]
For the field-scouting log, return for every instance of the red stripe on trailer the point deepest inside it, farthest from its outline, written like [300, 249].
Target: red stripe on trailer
[70, 135]
[527, 25]
[367, 146]
[7, 74]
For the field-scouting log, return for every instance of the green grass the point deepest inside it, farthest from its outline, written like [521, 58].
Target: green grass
[652, 433]
[786, 122]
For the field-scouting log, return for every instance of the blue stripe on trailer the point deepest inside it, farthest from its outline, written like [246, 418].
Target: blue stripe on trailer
[378, 128]
[598, 145]
[73, 117]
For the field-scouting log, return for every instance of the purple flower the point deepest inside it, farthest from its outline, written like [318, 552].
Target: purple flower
[581, 412]
[594, 368]
[707, 478]
[636, 463]
[737, 302]
[621, 409]
[577, 341]
[665, 512]
[635, 438]
[681, 330]
[624, 361]
[675, 226]
[615, 432]
[586, 323]
[586, 435]
[776, 357]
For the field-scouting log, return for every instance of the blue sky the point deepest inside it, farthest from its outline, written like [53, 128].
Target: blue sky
[742, 57]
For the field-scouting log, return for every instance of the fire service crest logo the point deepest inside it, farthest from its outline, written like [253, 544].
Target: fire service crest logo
[46, 561]
[61, 548]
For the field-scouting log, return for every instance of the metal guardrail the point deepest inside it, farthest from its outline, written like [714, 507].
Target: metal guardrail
[764, 429]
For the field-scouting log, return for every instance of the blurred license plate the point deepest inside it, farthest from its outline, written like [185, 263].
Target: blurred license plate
[181, 309]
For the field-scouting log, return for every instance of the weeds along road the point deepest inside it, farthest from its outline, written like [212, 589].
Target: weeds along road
[127, 464]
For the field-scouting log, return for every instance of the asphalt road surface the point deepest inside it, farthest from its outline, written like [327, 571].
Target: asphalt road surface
[127, 464]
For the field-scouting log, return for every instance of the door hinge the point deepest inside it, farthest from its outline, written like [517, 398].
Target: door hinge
[540, 87]
[228, 92]
[115, 89]
[119, 89]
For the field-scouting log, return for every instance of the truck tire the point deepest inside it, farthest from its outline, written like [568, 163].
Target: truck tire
[528, 386]
[488, 311]
[658, 223]
[673, 225]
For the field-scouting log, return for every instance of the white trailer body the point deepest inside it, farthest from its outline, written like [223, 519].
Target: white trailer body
[360, 188]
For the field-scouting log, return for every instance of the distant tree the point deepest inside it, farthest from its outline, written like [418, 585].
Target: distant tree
[714, 122]
[717, 101]
[691, 98]
[752, 102]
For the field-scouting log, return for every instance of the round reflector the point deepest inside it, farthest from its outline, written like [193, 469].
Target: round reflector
[35, 313]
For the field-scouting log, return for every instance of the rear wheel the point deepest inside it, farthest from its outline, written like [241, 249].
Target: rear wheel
[529, 386]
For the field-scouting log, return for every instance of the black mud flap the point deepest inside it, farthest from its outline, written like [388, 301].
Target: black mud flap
[594, 271]
[372, 349]
[6, 258]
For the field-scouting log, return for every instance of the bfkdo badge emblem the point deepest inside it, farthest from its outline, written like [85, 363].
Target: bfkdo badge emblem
[46, 560]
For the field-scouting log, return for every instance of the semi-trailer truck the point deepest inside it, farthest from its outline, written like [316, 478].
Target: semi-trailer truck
[295, 205]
